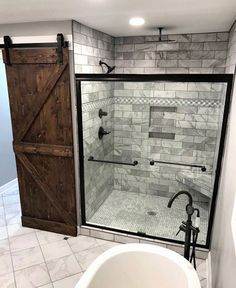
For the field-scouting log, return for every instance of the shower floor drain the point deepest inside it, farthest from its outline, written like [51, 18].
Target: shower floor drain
[151, 213]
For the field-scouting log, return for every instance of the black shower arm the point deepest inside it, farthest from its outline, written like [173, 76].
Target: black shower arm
[104, 63]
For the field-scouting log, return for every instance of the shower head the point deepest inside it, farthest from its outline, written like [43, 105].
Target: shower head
[160, 38]
[109, 68]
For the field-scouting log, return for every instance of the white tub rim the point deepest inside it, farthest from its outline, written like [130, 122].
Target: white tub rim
[186, 266]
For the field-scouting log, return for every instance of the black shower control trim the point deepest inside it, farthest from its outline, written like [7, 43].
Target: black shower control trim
[102, 132]
[102, 113]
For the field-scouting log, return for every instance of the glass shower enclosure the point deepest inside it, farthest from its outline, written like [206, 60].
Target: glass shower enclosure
[143, 138]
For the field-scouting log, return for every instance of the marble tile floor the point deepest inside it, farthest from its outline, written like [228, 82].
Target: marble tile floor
[32, 258]
[129, 211]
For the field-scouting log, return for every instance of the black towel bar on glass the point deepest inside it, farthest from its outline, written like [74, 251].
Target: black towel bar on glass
[91, 158]
[203, 168]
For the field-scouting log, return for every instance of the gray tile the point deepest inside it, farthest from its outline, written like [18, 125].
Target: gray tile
[162, 135]
[7, 281]
[129, 211]
[63, 267]
[33, 276]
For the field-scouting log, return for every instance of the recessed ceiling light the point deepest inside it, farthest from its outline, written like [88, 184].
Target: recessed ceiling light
[136, 21]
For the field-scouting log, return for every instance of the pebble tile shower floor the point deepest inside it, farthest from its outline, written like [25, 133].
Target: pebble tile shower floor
[32, 258]
[131, 212]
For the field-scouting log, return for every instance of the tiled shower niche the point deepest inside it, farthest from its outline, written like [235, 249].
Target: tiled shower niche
[161, 121]
[157, 122]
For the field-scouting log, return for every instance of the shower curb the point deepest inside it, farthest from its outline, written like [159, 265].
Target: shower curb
[201, 253]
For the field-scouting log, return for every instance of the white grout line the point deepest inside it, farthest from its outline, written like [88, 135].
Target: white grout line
[209, 274]
[44, 260]
[13, 271]
[73, 253]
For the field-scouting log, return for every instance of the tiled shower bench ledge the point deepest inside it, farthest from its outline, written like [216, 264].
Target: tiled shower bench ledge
[202, 183]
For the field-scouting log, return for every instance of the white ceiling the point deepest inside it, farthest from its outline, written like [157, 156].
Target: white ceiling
[112, 16]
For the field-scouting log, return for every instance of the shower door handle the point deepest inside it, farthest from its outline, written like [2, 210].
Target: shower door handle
[134, 163]
[203, 168]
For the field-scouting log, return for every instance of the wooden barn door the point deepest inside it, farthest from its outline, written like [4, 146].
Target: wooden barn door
[40, 103]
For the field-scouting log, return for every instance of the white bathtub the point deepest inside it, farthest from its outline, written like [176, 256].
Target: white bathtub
[139, 266]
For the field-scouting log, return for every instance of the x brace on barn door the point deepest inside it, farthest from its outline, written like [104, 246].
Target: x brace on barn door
[61, 43]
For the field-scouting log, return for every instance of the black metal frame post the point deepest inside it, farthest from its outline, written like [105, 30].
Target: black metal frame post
[216, 78]
[81, 151]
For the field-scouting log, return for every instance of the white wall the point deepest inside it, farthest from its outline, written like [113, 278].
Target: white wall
[42, 31]
[36, 28]
[223, 247]
[7, 158]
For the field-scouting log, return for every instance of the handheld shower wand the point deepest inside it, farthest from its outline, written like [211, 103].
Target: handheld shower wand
[196, 230]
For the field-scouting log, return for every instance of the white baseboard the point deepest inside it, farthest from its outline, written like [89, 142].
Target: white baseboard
[8, 187]
[209, 275]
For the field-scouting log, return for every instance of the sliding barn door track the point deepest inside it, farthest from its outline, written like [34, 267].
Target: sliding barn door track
[59, 45]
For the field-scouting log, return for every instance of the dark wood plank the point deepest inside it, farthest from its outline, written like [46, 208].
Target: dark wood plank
[56, 172]
[45, 188]
[43, 149]
[42, 98]
[34, 202]
[32, 56]
[56, 227]
[53, 123]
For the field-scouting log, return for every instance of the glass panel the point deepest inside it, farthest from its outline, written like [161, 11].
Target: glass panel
[178, 123]
[98, 177]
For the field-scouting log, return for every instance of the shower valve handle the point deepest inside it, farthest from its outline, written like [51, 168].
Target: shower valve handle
[102, 132]
[106, 132]
[177, 232]
[102, 113]
[182, 228]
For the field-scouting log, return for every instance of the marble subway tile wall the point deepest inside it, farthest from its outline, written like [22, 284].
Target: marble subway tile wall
[90, 46]
[231, 57]
[99, 177]
[190, 53]
[193, 124]
[186, 133]
[175, 122]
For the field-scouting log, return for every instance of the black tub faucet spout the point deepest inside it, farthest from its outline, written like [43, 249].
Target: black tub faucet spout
[172, 199]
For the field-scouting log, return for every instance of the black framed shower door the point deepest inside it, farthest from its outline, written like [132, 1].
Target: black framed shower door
[227, 79]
